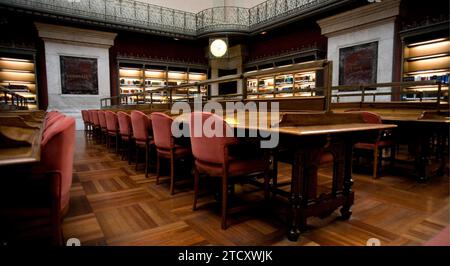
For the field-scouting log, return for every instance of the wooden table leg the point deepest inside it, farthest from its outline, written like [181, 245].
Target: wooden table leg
[422, 157]
[348, 182]
[304, 166]
[295, 197]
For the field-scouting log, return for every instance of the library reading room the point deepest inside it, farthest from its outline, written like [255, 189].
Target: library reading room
[224, 123]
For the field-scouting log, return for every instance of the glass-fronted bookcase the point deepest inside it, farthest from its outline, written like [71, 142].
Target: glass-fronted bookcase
[138, 77]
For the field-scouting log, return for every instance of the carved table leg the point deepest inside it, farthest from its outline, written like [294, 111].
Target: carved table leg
[295, 197]
[274, 172]
[422, 158]
[304, 166]
[346, 212]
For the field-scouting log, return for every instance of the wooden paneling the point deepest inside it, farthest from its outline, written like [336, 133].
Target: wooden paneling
[316, 103]
[392, 106]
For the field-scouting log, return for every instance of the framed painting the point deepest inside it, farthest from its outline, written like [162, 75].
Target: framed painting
[358, 64]
[79, 75]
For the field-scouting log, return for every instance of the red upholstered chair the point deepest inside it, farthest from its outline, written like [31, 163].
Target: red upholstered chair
[212, 158]
[112, 126]
[95, 123]
[86, 120]
[57, 150]
[51, 114]
[376, 148]
[102, 121]
[165, 145]
[52, 119]
[45, 187]
[141, 128]
[126, 132]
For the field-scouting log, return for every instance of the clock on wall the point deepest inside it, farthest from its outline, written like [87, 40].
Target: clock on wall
[218, 47]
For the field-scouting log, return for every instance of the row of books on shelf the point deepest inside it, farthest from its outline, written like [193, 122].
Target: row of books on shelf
[278, 82]
[281, 89]
[441, 78]
[149, 83]
[421, 98]
[174, 92]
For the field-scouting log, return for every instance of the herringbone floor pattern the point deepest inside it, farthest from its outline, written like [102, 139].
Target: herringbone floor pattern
[112, 204]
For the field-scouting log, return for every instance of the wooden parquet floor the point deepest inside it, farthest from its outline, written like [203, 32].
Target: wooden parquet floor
[112, 204]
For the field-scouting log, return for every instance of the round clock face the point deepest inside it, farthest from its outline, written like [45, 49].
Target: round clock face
[218, 48]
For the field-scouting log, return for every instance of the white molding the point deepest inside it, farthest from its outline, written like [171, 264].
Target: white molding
[70, 35]
[363, 17]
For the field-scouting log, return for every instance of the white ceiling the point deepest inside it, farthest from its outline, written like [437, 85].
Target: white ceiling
[199, 5]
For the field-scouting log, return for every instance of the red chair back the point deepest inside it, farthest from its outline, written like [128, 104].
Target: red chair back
[94, 114]
[85, 116]
[368, 117]
[51, 114]
[112, 123]
[124, 124]
[371, 118]
[102, 119]
[50, 121]
[141, 125]
[57, 150]
[162, 133]
[205, 148]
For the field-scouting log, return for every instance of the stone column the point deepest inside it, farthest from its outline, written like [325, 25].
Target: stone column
[233, 61]
[370, 23]
[68, 41]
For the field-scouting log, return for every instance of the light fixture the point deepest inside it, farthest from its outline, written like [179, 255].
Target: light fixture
[431, 71]
[15, 60]
[17, 82]
[263, 33]
[218, 47]
[15, 70]
[425, 88]
[427, 57]
[427, 42]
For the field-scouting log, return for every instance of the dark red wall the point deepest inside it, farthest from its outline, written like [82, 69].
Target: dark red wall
[162, 48]
[282, 40]
[417, 11]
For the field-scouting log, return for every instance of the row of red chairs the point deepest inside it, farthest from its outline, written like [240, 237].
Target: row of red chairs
[46, 184]
[212, 155]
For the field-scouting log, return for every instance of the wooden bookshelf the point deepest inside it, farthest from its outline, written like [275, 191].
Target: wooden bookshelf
[18, 74]
[281, 85]
[139, 77]
[426, 60]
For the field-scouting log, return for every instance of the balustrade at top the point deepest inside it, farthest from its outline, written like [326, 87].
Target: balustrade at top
[153, 17]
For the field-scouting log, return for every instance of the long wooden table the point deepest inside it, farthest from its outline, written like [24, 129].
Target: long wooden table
[20, 137]
[420, 126]
[308, 136]
[421, 134]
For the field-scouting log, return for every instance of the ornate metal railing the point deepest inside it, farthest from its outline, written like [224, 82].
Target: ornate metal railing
[227, 18]
[158, 18]
[274, 10]
[132, 13]
[10, 100]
